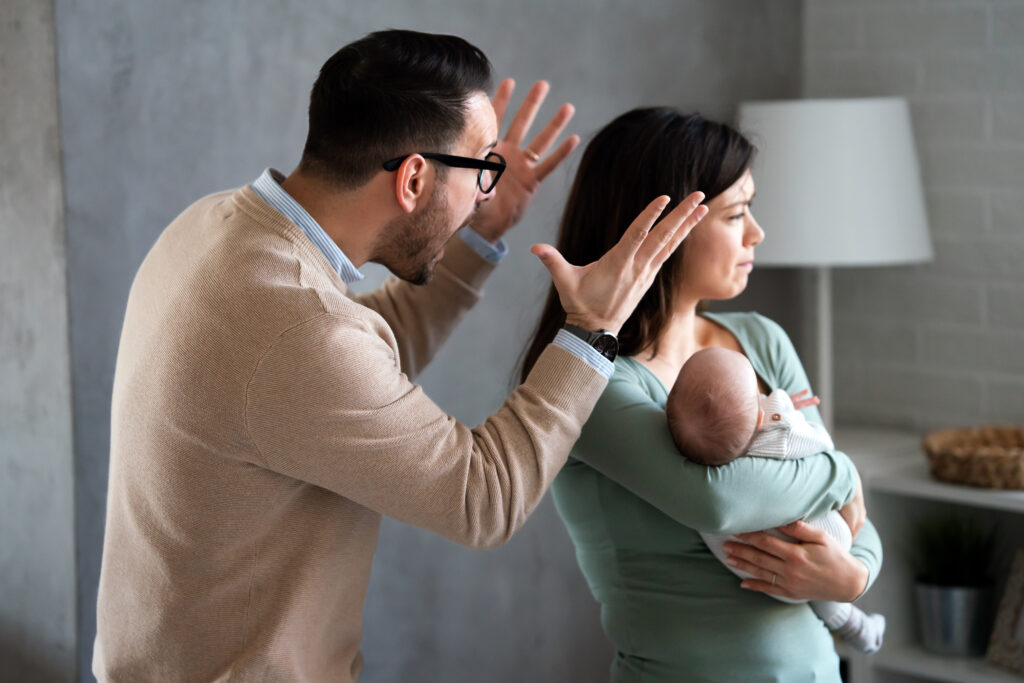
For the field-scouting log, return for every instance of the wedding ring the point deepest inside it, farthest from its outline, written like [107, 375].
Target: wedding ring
[531, 155]
[773, 579]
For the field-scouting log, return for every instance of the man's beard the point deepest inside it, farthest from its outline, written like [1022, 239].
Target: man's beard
[415, 240]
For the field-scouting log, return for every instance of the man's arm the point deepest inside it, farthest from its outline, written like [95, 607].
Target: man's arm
[423, 316]
[328, 404]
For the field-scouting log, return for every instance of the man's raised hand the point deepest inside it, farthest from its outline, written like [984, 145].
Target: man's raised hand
[527, 166]
[603, 294]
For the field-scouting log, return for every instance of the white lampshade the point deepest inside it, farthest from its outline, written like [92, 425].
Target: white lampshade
[837, 182]
[837, 185]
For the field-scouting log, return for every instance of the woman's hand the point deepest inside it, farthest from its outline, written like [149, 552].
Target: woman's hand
[815, 568]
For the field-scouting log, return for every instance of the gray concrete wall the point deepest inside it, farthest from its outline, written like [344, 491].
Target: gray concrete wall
[937, 345]
[164, 102]
[37, 572]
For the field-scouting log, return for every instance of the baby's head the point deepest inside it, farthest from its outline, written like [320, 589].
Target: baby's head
[713, 408]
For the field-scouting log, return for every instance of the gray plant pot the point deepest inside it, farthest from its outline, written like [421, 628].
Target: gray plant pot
[955, 620]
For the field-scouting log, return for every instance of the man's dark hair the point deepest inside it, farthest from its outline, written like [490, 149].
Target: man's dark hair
[388, 94]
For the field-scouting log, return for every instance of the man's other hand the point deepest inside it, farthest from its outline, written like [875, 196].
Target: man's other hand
[527, 166]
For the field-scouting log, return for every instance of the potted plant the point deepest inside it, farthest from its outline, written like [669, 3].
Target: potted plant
[953, 562]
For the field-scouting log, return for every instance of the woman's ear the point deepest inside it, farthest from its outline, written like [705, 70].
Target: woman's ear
[411, 181]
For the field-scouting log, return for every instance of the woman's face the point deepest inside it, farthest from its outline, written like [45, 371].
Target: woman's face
[719, 253]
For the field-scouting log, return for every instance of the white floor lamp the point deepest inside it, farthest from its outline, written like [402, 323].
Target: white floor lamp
[837, 185]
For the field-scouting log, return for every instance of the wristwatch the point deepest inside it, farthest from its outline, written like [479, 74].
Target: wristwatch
[603, 341]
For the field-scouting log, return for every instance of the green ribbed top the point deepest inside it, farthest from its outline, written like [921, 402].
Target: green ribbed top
[634, 506]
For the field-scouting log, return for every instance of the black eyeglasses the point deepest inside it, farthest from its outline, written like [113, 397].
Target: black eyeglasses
[493, 165]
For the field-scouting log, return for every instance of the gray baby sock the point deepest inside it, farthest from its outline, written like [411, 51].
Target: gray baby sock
[863, 631]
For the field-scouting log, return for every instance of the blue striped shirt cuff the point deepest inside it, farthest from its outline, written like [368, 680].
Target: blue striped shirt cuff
[268, 187]
[492, 252]
[576, 346]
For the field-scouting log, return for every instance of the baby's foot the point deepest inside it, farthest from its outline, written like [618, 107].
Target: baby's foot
[863, 632]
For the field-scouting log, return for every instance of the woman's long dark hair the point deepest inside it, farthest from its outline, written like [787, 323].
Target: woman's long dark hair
[640, 155]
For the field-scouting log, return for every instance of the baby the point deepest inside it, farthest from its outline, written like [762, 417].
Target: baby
[716, 414]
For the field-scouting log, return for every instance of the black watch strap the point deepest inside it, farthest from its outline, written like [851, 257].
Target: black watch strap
[603, 341]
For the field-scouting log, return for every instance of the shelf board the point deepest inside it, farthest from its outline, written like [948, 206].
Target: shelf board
[875, 443]
[917, 661]
[913, 479]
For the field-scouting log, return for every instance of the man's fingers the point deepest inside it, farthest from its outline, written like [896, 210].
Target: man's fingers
[555, 126]
[681, 234]
[523, 119]
[554, 262]
[545, 167]
[662, 233]
[501, 98]
[637, 231]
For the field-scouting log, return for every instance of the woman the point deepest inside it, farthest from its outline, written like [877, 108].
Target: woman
[633, 506]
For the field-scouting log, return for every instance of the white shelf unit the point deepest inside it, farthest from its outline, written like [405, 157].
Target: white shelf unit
[899, 492]
[918, 662]
[914, 481]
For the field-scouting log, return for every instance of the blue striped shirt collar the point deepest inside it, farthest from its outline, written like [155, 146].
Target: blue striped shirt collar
[268, 187]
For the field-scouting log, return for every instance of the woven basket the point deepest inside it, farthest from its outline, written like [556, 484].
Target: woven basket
[990, 456]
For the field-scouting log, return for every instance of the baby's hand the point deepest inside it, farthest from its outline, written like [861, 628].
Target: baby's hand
[804, 399]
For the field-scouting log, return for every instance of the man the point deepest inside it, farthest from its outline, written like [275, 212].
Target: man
[264, 418]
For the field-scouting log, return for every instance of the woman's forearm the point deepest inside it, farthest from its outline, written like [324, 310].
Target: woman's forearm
[867, 548]
[627, 440]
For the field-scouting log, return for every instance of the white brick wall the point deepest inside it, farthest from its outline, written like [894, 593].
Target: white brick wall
[940, 344]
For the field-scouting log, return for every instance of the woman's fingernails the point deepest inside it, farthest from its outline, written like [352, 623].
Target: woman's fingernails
[731, 561]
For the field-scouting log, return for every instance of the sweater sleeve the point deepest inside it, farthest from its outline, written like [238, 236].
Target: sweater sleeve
[867, 548]
[328, 404]
[423, 316]
[627, 440]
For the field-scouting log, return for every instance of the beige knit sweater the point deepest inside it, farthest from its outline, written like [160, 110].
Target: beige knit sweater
[263, 421]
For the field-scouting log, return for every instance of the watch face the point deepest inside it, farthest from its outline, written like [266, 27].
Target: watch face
[607, 346]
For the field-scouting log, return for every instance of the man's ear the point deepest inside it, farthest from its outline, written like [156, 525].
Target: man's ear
[411, 182]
